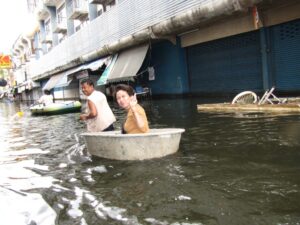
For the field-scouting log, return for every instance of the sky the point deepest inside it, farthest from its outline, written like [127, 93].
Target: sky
[14, 22]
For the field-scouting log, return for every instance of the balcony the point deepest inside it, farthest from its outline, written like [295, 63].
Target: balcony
[61, 26]
[122, 22]
[47, 39]
[50, 2]
[102, 2]
[80, 10]
[38, 46]
[41, 11]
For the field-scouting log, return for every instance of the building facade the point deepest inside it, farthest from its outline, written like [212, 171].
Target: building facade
[174, 47]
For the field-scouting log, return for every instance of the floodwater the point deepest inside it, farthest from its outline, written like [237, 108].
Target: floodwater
[231, 169]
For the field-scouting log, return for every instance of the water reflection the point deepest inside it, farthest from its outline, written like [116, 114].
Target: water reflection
[232, 168]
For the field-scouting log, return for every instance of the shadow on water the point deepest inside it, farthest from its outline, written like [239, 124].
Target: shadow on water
[231, 168]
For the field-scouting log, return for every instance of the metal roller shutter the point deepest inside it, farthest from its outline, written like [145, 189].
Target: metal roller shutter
[227, 65]
[285, 55]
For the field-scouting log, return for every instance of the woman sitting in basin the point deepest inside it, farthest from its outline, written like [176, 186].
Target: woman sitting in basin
[136, 121]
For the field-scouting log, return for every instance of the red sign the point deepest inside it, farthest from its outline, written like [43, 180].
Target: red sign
[255, 17]
[5, 62]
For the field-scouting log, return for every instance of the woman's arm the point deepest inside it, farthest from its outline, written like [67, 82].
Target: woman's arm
[140, 120]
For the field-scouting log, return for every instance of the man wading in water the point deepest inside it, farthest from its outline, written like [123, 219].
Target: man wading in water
[99, 116]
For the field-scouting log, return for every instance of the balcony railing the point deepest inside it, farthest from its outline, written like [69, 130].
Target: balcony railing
[47, 39]
[41, 11]
[79, 10]
[61, 26]
[50, 2]
[102, 2]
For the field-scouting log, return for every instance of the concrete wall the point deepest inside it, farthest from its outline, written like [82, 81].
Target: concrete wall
[169, 63]
[241, 24]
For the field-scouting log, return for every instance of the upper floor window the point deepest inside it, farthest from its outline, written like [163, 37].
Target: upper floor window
[61, 14]
[110, 5]
[47, 27]
[99, 9]
[82, 4]
[32, 4]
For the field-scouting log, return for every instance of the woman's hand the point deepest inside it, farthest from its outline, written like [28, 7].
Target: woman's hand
[133, 101]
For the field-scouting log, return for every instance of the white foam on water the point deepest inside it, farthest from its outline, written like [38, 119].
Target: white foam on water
[100, 169]
[27, 151]
[75, 211]
[15, 178]
[62, 165]
[157, 222]
[17, 139]
[14, 209]
[182, 198]
[73, 179]
[18, 145]
[185, 223]
[89, 178]
[83, 222]
[105, 212]
[35, 130]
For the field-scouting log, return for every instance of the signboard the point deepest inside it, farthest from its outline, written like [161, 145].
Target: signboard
[82, 74]
[255, 17]
[5, 61]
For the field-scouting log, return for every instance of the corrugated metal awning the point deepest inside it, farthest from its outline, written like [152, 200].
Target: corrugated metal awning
[97, 64]
[128, 64]
[53, 81]
[64, 81]
[102, 80]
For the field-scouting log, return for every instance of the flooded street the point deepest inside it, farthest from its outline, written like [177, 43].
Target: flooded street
[231, 169]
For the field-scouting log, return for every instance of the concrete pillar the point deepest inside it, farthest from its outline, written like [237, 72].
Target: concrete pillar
[35, 44]
[53, 19]
[104, 7]
[265, 59]
[70, 22]
[92, 11]
[43, 35]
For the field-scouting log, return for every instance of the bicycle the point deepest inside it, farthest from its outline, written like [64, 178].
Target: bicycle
[249, 97]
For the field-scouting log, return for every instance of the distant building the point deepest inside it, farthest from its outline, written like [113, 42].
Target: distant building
[174, 47]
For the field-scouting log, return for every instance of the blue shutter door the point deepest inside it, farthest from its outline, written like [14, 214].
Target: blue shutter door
[227, 65]
[285, 55]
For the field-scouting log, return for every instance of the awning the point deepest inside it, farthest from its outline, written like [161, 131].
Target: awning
[53, 81]
[30, 84]
[66, 78]
[64, 81]
[74, 70]
[128, 64]
[97, 64]
[110, 65]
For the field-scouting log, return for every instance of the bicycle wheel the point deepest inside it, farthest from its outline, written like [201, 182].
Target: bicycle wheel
[245, 97]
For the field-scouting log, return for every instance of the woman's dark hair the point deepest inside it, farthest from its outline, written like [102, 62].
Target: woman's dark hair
[88, 82]
[124, 87]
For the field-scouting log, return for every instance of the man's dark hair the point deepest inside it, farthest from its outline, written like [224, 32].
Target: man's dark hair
[88, 82]
[47, 92]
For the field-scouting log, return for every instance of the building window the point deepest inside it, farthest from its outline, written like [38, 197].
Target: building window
[47, 28]
[61, 15]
